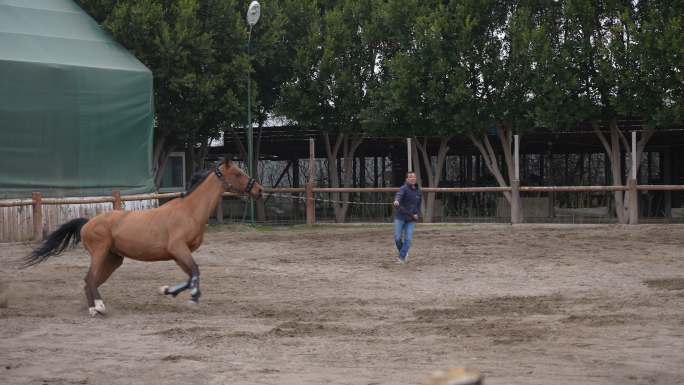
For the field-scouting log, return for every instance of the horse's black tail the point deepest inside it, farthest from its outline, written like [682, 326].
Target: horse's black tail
[57, 241]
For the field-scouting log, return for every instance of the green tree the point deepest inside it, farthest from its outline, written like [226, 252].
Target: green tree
[422, 92]
[626, 59]
[333, 68]
[493, 52]
[657, 31]
[463, 68]
[190, 46]
[268, 65]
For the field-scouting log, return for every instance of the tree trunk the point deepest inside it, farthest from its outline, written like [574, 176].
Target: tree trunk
[489, 156]
[347, 174]
[616, 166]
[434, 172]
[613, 150]
[640, 146]
[490, 160]
[331, 150]
[341, 205]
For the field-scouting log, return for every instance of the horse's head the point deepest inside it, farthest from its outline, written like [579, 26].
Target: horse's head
[238, 181]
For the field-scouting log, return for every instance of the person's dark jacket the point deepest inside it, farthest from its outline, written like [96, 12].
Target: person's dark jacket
[409, 199]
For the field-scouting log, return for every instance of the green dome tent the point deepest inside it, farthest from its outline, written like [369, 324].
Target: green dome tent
[76, 108]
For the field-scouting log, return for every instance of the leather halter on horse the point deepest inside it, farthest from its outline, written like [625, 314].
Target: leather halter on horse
[228, 186]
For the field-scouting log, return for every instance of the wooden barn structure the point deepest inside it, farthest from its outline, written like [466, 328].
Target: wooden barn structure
[564, 158]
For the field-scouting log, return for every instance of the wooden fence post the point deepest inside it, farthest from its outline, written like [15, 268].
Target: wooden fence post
[409, 152]
[666, 162]
[310, 207]
[633, 204]
[117, 200]
[515, 182]
[37, 216]
[515, 201]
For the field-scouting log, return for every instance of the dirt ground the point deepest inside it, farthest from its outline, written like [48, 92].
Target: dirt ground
[529, 304]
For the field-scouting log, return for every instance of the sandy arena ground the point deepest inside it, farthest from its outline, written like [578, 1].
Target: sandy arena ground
[530, 304]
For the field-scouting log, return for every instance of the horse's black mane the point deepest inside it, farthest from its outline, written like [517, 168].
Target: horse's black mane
[196, 179]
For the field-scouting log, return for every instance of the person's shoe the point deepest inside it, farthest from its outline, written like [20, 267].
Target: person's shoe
[398, 260]
[405, 259]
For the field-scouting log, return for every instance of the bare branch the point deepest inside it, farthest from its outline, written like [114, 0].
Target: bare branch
[504, 136]
[480, 146]
[416, 160]
[441, 157]
[338, 143]
[624, 140]
[426, 160]
[489, 158]
[645, 137]
[490, 150]
[601, 136]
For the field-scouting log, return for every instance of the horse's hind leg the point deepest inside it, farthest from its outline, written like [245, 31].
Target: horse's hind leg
[98, 264]
[110, 263]
[88, 288]
[92, 295]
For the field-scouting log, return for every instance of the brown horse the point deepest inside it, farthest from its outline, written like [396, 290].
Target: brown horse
[171, 231]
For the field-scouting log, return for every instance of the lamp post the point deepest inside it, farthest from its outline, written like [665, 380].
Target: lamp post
[253, 13]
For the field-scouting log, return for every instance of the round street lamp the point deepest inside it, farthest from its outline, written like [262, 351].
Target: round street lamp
[253, 13]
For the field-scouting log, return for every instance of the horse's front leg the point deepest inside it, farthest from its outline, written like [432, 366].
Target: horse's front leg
[183, 258]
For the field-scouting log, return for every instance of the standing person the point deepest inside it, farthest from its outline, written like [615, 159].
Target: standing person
[407, 211]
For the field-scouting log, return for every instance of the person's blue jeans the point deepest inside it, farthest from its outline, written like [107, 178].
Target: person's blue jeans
[404, 228]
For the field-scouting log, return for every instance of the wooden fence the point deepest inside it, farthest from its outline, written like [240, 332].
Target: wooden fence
[31, 219]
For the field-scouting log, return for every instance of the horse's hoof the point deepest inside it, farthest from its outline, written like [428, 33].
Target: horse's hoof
[94, 313]
[164, 290]
[100, 306]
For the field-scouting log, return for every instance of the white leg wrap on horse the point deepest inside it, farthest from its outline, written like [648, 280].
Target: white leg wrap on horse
[163, 289]
[100, 306]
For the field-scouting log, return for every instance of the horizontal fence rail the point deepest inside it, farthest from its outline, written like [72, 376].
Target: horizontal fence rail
[660, 187]
[573, 188]
[301, 190]
[395, 189]
[292, 190]
[37, 201]
[16, 202]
